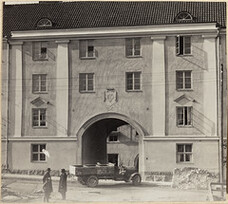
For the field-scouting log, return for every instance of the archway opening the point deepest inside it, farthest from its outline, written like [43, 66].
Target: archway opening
[110, 140]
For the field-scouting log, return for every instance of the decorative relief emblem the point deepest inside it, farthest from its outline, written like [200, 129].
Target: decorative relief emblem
[110, 97]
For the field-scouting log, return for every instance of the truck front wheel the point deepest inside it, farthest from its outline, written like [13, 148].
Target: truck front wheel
[136, 179]
[92, 181]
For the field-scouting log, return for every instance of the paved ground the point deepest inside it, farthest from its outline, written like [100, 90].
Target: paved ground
[20, 190]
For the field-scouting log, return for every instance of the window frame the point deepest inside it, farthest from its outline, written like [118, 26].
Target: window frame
[133, 81]
[191, 116]
[39, 84]
[38, 153]
[38, 115]
[181, 45]
[184, 80]
[37, 51]
[86, 79]
[184, 153]
[88, 43]
[132, 44]
[113, 134]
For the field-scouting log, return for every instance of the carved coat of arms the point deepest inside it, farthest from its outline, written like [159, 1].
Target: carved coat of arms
[110, 97]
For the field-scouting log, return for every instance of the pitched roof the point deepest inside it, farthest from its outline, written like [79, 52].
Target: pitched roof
[90, 14]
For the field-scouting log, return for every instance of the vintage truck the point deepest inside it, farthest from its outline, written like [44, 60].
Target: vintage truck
[90, 174]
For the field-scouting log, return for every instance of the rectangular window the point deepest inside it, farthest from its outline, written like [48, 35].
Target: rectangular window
[133, 81]
[86, 82]
[39, 117]
[183, 45]
[133, 48]
[184, 116]
[113, 137]
[37, 154]
[184, 153]
[39, 83]
[87, 49]
[183, 80]
[40, 51]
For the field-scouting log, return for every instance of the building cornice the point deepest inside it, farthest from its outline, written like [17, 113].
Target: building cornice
[181, 139]
[113, 32]
[41, 138]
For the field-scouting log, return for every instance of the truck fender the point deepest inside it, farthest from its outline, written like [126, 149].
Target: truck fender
[132, 175]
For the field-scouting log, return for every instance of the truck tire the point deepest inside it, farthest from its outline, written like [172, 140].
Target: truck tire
[136, 179]
[92, 181]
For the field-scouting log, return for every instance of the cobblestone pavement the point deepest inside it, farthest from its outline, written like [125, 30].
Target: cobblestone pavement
[19, 190]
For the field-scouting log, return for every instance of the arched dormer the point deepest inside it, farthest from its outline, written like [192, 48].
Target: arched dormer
[44, 22]
[184, 16]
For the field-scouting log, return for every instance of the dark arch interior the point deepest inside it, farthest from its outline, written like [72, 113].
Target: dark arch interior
[94, 140]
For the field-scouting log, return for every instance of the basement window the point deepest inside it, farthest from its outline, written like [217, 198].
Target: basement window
[37, 154]
[184, 153]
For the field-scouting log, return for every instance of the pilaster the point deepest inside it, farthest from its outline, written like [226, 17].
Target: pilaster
[62, 88]
[158, 85]
[16, 67]
[210, 92]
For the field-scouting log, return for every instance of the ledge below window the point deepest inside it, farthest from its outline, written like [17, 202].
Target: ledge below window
[87, 58]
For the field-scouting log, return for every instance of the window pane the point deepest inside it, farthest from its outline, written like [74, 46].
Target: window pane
[34, 148]
[187, 45]
[189, 115]
[42, 157]
[137, 46]
[90, 82]
[180, 148]
[43, 53]
[90, 51]
[181, 46]
[82, 51]
[129, 47]
[43, 83]
[187, 157]
[129, 81]
[137, 80]
[179, 78]
[42, 147]
[180, 116]
[35, 157]
[181, 157]
[188, 148]
[82, 82]
[188, 79]
[35, 83]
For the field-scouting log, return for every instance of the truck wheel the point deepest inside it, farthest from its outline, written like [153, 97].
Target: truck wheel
[92, 181]
[136, 179]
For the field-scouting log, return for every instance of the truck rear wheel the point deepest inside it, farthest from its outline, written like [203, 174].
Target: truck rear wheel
[92, 181]
[136, 179]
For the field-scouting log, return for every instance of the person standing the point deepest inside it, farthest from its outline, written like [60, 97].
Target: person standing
[63, 184]
[47, 185]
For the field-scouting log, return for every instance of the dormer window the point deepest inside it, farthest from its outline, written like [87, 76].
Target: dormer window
[184, 16]
[44, 22]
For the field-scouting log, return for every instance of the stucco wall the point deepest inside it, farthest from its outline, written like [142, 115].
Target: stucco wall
[39, 67]
[62, 154]
[194, 62]
[160, 156]
[110, 67]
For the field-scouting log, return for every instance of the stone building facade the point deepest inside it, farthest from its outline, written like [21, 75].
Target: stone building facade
[69, 80]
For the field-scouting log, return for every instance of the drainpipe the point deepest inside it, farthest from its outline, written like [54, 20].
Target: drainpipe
[7, 129]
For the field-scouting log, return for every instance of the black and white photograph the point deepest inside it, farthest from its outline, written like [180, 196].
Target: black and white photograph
[113, 101]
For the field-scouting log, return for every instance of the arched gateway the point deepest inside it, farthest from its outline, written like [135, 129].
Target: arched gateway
[92, 137]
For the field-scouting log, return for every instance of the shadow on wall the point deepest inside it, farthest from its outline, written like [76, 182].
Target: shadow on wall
[203, 124]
